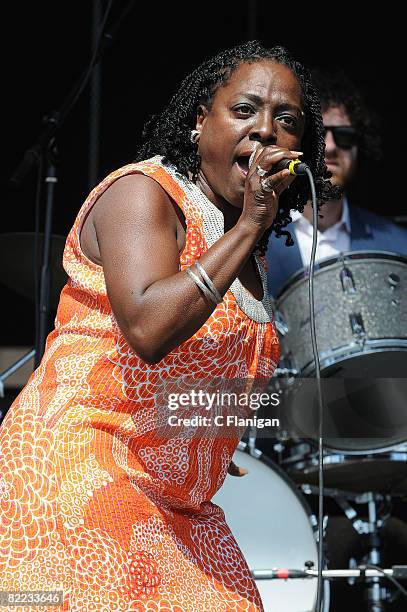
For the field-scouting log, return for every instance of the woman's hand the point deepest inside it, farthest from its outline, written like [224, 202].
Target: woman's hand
[236, 470]
[263, 190]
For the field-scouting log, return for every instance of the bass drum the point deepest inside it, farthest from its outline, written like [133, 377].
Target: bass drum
[274, 528]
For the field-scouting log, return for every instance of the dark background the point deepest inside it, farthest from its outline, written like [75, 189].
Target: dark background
[46, 45]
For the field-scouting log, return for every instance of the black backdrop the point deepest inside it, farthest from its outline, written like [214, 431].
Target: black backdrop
[45, 46]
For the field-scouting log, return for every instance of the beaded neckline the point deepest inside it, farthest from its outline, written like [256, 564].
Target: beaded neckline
[260, 311]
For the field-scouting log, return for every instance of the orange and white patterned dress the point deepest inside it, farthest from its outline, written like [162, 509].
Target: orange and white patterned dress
[93, 501]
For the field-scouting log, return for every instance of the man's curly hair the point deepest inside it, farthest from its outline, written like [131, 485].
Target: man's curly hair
[335, 88]
[168, 134]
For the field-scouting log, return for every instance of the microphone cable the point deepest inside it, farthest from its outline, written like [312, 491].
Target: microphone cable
[300, 168]
[320, 596]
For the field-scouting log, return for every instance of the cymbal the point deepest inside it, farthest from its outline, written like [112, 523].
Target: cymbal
[17, 269]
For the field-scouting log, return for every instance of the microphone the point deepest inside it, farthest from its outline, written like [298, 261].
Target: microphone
[295, 166]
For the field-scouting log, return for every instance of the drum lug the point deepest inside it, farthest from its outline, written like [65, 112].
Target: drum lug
[357, 325]
[347, 280]
[393, 280]
[280, 324]
[359, 525]
[285, 372]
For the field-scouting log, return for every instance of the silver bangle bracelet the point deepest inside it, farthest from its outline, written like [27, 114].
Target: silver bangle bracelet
[202, 286]
[208, 282]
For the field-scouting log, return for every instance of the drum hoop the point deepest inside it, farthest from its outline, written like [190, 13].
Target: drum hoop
[392, 455]
[341, 458]
[260, 456]
[303, 273]
[327, 359]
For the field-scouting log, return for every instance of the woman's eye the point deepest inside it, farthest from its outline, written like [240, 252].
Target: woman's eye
[244, 109]
[288, 120]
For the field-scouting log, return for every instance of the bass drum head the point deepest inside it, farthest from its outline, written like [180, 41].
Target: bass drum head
[271, 523]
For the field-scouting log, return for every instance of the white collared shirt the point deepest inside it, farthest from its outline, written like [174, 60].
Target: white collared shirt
[334, 240]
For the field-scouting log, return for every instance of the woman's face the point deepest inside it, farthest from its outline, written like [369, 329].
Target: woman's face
[261, 103]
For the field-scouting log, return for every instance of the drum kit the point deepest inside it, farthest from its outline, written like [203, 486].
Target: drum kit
[361, 324]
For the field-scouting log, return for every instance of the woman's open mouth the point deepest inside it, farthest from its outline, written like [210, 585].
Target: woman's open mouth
[242, 163]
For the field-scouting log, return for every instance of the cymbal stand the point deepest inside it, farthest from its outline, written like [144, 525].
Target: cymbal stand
[376, 595]
[10, 370]
[45, 281]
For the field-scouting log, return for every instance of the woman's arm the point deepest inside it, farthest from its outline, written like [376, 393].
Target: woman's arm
[157, 306]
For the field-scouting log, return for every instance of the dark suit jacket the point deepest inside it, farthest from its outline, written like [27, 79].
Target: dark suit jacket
[369, 232]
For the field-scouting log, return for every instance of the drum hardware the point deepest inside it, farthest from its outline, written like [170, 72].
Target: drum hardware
[347, 280]
[368, 573]
[393, 280]
[20, 250]
[382, 470]
[362, 527]
[278, 449]
[345, 497]
[280, 324]
[359, 498]
[358, 327]
[376, 594]
[251, 445]
[353, 565]
[285, 372]
[284, 574]
[362, 337]
[10, 370]
[282, 528]
[396, 571]
[13, 368]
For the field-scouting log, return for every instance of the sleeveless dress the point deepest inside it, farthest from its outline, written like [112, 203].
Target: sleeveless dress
[93, 501]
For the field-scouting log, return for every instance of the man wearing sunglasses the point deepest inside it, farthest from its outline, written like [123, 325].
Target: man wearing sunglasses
[352, 144]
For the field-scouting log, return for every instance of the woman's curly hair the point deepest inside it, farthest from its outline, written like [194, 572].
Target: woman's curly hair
[168, 134]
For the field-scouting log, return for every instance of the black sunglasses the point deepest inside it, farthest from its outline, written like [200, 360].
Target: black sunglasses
[345, 136]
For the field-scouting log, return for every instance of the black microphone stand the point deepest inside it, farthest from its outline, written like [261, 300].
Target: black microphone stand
[45, 146]
[56, 118]
[51, 181]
